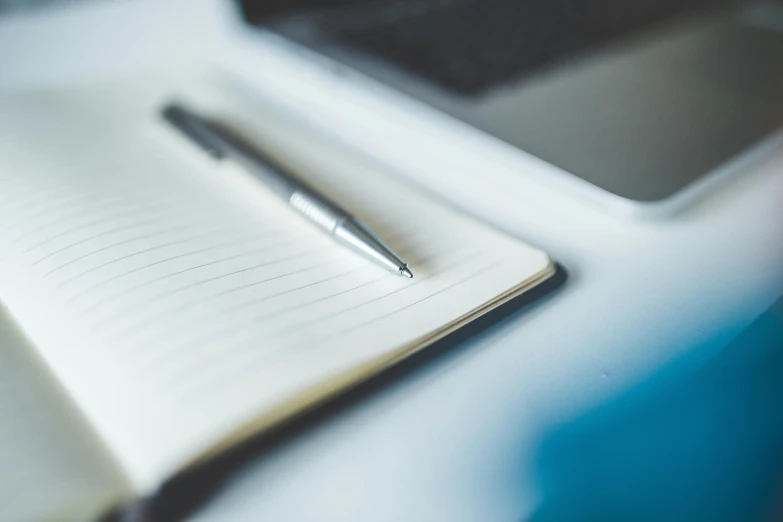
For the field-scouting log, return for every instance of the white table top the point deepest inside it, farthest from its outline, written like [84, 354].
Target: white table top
[458, 439]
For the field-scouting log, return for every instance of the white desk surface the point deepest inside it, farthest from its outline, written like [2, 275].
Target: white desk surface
[458, 439]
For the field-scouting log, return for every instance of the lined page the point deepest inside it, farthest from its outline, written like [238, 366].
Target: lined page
[183, 302]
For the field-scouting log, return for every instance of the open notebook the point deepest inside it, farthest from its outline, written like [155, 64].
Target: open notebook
[173, 307]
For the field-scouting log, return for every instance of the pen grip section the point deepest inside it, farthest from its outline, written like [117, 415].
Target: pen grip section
[317, 210]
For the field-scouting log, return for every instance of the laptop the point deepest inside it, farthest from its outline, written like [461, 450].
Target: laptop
[641, 107]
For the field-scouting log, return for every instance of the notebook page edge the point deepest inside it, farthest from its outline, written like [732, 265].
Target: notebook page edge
[330, 388]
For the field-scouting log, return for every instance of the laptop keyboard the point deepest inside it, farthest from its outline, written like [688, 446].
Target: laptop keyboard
[470, 46]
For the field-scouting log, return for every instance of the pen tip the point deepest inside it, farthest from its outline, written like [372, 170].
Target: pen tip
[404, 272]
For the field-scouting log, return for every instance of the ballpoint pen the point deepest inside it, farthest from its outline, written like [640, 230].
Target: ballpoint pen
[224, 145]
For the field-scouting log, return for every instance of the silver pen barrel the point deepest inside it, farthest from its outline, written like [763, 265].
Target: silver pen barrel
[223, 143]
[359, 238]
[347, 230]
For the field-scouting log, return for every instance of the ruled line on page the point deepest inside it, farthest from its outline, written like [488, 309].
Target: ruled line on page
[132, 210]
[219, 333]
[53, 206]
[233, 242]
[263, 248]
[327, 245]
[404, 252]
[130, 334]
[249, 360]
[127, 256]
[141, 323]
[233, 326]
[75, 297]
[97, 326]
[88, 201]
[456, 265]
[150, 220]
[401, 309]
[81, 209]
[205, 231]
[205, 343]
[218, 337]
[301, 348]
[260, 299]
[200, 282]
[133, 239]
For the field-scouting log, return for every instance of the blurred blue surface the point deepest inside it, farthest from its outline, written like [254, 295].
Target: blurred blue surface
[709, 448]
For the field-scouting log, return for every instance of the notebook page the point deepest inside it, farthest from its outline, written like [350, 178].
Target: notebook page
[193, 300]
[51, 467]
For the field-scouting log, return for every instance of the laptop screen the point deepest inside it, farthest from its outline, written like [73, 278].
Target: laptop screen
[468, 46]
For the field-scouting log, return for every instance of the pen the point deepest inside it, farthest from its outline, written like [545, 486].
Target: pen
[224, 145]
